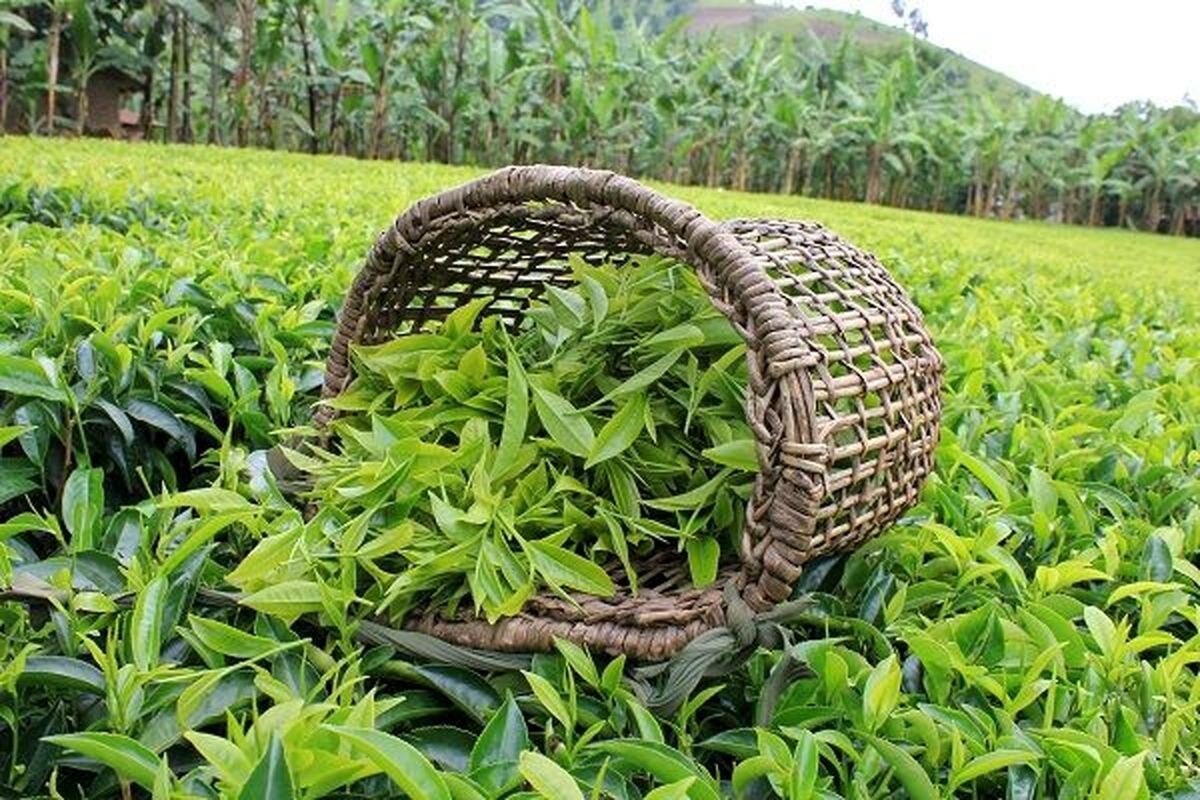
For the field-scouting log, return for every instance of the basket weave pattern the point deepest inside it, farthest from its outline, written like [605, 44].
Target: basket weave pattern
[844, 379]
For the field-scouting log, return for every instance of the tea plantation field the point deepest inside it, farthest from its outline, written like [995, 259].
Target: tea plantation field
[1030, 630]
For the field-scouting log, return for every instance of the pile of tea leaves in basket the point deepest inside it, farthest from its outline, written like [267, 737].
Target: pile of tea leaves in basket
[480, 461]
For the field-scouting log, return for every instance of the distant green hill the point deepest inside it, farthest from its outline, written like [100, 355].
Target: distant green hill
[731, 18]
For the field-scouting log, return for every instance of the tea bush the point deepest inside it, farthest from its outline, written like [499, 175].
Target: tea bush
[1030, 630]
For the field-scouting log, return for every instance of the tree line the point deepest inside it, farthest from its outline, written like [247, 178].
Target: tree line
[491, 82]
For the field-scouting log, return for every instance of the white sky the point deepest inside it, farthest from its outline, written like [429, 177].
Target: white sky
[1094, 54]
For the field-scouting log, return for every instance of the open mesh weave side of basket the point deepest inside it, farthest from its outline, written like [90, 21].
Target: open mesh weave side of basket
[875, 396]
[842, 394]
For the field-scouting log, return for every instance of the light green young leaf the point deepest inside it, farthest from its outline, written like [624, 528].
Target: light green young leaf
[399, 760]
[560, 567]
[516, 416]
[619, 432]
[547, 778]
[566, 424]
[129, 759]
[145, 628]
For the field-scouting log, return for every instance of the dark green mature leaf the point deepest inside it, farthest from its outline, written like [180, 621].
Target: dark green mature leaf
[493, 761]
[462, 687]
[164, 420]
[63, 672]
[664, 763]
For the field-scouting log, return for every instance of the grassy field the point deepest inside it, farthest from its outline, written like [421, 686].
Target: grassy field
[1030, 630]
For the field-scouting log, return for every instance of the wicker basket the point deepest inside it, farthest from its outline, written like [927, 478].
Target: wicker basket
[843, 394]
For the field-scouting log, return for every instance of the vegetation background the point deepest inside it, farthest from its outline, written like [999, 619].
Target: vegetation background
[811, 102]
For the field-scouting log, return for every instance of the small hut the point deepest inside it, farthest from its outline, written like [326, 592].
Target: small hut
[108, 94]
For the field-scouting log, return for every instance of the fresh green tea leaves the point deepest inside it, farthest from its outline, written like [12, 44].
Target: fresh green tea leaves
[560, 567]
[620, 432]
[566, 425]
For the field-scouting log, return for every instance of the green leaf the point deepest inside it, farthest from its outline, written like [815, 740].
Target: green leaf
[83, 507]
[672, 791]
[664, 763]
[805, 763]
[560, 567]
[166, 421]
[399, 760]
[619, 432]
[681, 337]
[597, 299]
[516, 416]
[580, 660]
[881, 692]
[703, 556]
[469, 692]
[63, 672]
[550, 699]
[287, 599]
[987, 475]
[210, 499]
[270, 779]
[990, 762]
[1126, 780]
[126, 757]
[910, 774]
[493, 761]
[645, 376]
[25, 378]
[566, 424]
[692, 499]
[547, 778]
[228, 640]
[145, 627]
[740, 454]
[1042, 493]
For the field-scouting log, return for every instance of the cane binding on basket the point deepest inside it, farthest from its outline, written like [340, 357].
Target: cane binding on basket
[844, 380]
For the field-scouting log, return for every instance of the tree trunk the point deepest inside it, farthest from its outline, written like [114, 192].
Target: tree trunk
[172, 134]
[874, 178]
[459, 67]
[1177, 221]
[1154, 209]
[379, 114]
[789, 172]
[56, 23]
[81, 102]
[185, 111]
[3, 90]
[241, 78]
[334, 122]
[148, 103]
[1094, 207]
[309, 79]
[214, 86]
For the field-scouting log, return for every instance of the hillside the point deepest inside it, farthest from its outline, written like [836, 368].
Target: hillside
[829, 26]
